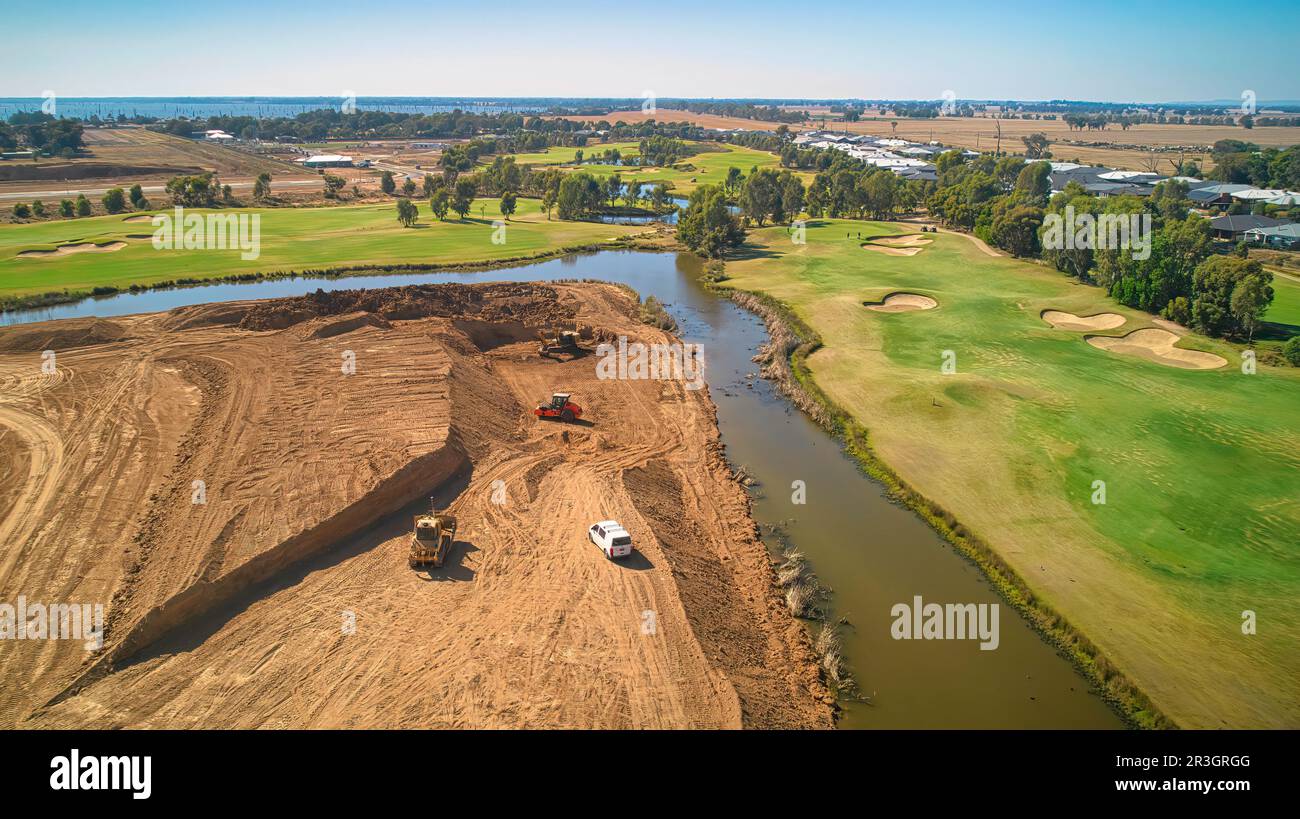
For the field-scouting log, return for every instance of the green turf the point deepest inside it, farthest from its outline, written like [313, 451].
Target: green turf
[709, 167]
[1285, 308]
[561, 155]
[291, 239]
[1202, 467]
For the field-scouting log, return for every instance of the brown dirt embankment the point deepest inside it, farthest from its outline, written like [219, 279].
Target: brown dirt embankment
[235, 482]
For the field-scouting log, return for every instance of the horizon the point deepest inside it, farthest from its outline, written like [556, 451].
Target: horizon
[497, 53]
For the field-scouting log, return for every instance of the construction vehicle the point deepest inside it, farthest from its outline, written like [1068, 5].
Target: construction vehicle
[559, 407]
[431, 538]
[561, 342]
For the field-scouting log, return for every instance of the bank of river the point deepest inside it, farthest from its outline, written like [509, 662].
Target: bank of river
[872, 553]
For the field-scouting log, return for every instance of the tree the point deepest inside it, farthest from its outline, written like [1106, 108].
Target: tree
[463, 198]
[1214, 284]
[407, 212]
[83, 205]
[431, 184]
[1251, 296]
[333, 184]
[136, 195]
[67, 209]
[1291, 351]
[114, 200]
[408, 187]
[761, 196]
[38, 209]
[632, 194]
[613, 188]
[1036, 146]
[262, 186]
[733, 181]
[707, 226]
[508, 203]
[1034, 180]
[440, 202]
[579, 195]
[386, 183]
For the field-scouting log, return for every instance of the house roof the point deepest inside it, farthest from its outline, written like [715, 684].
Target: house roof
[1243, 222]
[1289, 230]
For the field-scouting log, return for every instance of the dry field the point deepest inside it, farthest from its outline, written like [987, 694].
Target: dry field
[236, 612]
[980, 133]
[125, 156]
[670, 115]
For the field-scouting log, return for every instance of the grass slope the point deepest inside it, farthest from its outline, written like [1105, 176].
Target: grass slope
[1202, 468]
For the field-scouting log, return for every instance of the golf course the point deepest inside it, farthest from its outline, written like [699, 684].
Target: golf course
[291, 239]
[1149, 500]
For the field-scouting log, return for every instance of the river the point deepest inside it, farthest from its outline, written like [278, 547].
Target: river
[872, 553]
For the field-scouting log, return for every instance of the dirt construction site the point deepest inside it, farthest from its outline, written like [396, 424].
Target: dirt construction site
[235, 483]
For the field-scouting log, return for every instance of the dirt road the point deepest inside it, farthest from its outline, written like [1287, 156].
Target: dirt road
[277, 594]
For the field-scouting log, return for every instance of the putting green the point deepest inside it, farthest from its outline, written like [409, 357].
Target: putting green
[1199, 470]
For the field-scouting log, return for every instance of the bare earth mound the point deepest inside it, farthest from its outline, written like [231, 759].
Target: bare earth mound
[235, 484]
[65, 250]
[1069, 321]
[1158, 345]
[902, 303]
[898, 245]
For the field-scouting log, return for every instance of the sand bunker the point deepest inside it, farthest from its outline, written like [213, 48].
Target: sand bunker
[144, 217]
[1069, 321]
[902, 303]
[1158, 346]
[65, 250]
[898, 245]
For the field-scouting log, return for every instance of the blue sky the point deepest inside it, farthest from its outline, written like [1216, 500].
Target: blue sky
[1098, 50]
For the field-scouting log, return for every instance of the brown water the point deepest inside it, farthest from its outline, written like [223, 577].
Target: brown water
[872, 553]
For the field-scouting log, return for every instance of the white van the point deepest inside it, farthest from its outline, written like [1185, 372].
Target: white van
[612, 538]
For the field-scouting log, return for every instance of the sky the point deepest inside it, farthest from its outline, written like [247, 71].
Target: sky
[1099, 50]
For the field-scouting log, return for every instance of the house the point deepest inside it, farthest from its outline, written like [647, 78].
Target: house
[1232, 227]
[1216, 195]
[1283, 237]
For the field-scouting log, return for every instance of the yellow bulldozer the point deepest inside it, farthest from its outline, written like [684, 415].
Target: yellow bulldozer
[431, 539]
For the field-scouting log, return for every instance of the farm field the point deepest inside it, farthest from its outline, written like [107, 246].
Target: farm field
[291, 239]
[1200, 467]
[132, 155]
[980, 133]
[671, 115]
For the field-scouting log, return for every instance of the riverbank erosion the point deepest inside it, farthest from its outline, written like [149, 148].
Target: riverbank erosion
[235, 482]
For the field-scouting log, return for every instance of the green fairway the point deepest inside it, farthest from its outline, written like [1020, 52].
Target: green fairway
[1285, 308]
[561, 155]
[709, 167]
[1201, 468]
[291, 239]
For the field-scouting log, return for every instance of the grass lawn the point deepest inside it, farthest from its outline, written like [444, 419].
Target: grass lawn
[1285, 308]
[561, 155]
[1201, 467]
[710, 166]
[291, 239]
